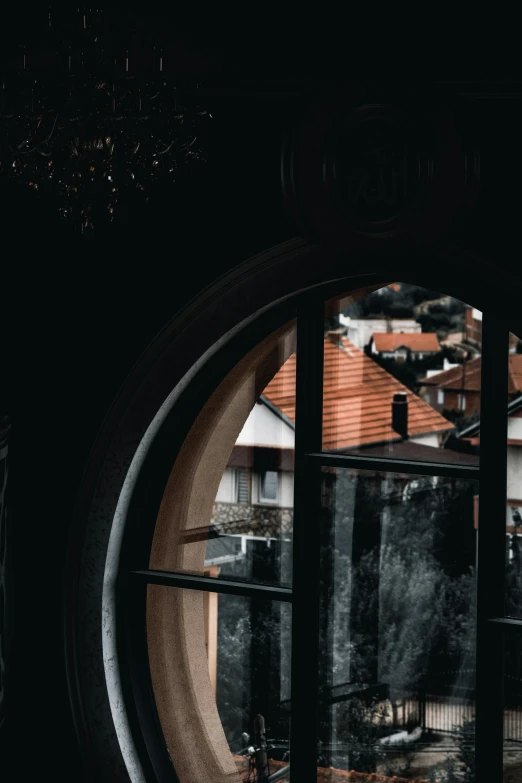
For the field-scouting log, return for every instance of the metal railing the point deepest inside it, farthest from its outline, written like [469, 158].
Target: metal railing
[445, 711]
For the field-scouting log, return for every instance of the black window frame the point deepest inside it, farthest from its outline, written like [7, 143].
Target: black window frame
[134, 575]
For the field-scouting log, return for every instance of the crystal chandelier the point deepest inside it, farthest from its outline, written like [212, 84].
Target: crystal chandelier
[83, 127]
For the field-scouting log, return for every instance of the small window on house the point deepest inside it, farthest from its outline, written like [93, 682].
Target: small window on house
[268, 487]
[462, 402]
[242, 488]
[440, 396]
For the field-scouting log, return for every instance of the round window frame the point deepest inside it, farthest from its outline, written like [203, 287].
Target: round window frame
[255, 298]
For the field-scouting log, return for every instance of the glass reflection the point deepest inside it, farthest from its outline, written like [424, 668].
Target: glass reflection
[397, 626]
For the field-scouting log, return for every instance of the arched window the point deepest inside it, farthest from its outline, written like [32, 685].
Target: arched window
[295, 534]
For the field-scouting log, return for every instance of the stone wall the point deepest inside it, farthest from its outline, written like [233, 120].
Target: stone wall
[252, 520]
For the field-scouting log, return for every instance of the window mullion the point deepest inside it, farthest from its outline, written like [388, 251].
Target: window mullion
[491, 548]
[212, 584]
[306, 550]
[394, 465]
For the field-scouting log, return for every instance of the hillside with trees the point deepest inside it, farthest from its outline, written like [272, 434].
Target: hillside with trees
[431, 309]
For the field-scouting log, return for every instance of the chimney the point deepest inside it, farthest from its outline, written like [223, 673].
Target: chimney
[400, 414]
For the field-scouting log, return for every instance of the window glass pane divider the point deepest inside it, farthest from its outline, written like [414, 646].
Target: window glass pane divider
[394, 465]
[306, 550]
[213, 584]
[507, 623]
[491, 564]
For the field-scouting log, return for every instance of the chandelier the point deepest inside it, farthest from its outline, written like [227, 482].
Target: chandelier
[93, 124]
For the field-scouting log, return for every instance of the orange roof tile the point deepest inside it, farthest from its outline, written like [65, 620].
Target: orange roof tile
[357, 401]
[415, 341]
[467, 376]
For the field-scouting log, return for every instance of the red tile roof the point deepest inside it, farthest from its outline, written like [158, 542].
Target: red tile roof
[358, 397]
[515, 373]
[467, 376]
[415, 341]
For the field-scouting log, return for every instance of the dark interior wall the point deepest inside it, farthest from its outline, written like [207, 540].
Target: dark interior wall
[76, 316]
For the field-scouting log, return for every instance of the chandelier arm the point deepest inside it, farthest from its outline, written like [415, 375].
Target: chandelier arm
[30, 138]
[25, 142]
[27, 151]
[52, 130]
[167, 148]
[189, 143]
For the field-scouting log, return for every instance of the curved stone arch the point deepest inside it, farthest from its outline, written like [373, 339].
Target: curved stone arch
[172, 363]
[194, 736]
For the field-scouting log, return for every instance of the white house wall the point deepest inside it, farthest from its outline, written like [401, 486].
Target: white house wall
[264, 428]
[514, 473]
[514, 428]
[430, 439]
[360, 330]
[286, 487]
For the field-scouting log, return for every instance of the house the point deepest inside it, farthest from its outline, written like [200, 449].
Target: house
[254, 502]
[471, 436]
[458, 388]
[360, 330]
[255, 496]
[363, 405]
[402, 346]
[473, 325]
[446, 365]
[358, 396]
[256, 490]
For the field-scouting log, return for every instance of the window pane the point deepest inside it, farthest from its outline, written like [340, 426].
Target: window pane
[397, 624]
[269, 482]
[242, 486]
[512, 707]
[228, 508]
[401, 374]
[217, 663]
